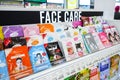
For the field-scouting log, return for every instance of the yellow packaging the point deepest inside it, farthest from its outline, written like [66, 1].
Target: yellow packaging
[1, 33]
[71, 4]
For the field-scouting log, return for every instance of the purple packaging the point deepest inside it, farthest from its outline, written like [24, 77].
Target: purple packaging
[13, 31]
[104, 68]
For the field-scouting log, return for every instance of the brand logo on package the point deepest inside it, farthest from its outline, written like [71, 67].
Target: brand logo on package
[59, 16]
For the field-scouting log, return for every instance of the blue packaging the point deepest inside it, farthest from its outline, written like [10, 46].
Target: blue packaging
[39, 58]
[3, 67]
[104, 68]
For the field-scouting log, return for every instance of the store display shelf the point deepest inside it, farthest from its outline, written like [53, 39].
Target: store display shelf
[8, 8]
[61, 71]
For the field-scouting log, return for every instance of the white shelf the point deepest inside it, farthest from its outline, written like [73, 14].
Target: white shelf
[61, 71]
[21, 8]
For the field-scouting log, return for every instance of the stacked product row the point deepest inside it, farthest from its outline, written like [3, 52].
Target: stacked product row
[33, 48]
[106, 69]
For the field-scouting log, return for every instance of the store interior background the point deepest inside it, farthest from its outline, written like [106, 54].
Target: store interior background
[107, 6]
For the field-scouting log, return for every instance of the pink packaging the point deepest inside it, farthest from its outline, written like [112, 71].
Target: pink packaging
[30, 30]
[98, 41]
[94, 73]
[13, 31]
[109, 34]
[76, 24]
[115, 34]
[104, 39]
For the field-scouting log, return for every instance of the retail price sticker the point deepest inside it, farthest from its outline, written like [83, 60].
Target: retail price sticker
[52, 75]
[72, 69]
[59, 73]
[42, 77]
[77, 67]
[66, 71]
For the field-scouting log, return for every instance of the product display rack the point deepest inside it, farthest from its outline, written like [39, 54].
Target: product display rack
[71, 67]
[61, 71]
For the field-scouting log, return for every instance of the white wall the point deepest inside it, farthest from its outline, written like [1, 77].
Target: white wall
[107, 6]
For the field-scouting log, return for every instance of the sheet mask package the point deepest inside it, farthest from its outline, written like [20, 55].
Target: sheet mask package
[18, 62]
[90, 43]
[79, 44]
[39, 58]
[3, 67]
[93, 30]
[104, 39]
[58, 27]
[61, 35]
[114, 66]
[94, 73]
[55, 53]
[14, 42]
[104, 68]
[1, 45]
[115, 34]
[34, 40]
[1, 33]
[13, 31]
[67, 25]
[110, 36]
[44, 28]
[82, 75]
[30, 30]
[49, 37]
[68, 47]
[98, 41]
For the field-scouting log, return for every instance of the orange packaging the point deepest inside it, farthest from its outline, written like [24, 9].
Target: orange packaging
[46, 28]
[18, 62]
